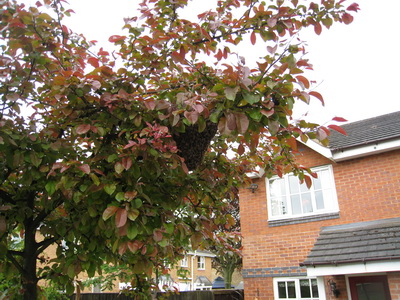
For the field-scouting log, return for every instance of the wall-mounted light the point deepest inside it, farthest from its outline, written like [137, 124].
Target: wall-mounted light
[253, 187]
[333, 288]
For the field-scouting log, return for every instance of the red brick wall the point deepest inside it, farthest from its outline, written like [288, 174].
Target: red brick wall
[394, 285]
[367, 188]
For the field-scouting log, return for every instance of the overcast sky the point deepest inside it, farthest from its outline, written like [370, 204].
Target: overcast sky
[355, 65]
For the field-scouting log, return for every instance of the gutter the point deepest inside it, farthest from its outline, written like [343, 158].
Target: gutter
[364, 260]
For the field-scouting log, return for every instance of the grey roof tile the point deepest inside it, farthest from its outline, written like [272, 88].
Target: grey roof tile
[364, 132]
[374, 240]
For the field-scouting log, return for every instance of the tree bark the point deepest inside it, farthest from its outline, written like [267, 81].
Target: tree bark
[29, 277]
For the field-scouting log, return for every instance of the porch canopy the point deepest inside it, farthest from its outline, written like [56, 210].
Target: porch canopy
[366, 247]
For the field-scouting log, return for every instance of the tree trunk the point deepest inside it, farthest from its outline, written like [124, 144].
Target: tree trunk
[228, 272]
[29, 277]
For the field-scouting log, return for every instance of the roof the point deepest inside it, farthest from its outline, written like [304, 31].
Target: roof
[377, 129]
[356, 242]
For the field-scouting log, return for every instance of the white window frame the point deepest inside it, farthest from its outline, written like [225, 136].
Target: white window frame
[297, 288]
[201, 262]
[184, 262]
[331, 203]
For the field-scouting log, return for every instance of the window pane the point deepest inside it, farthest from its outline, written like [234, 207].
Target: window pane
[293, 184]
[371, 291]
[306, 203]
[317, 181]
[278, 199]
[314, 288]
[319, 200]
[305, 291]
[291, 289]
[304, 188]
[282, 290]
[296, 206]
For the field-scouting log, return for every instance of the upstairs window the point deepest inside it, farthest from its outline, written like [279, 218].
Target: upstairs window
[201, 262]
[287, 198]
[184, 262]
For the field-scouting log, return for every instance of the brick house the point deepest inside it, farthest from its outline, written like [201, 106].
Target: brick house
[193, 272]
[341, 238]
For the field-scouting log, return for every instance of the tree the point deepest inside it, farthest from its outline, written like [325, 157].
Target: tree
[123, 157]
[228, 244]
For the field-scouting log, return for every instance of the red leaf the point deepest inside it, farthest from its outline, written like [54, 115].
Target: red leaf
[231, 121]
[253, 38]
[135, 246]
[317, 28]
[338, 129]
[242, 122]
[304, 81]
[157, 235]
[347, 18]
[219, 55]
[240, 149]
[191, 116]
[150, 104]
[178, 57]
[102, 52]
[353, 7]
[272, 22]
[109, 212]
[83, 128]
[94, 62]
[84, 168]
[318, 96]
[308, 181]
[116, 38]
[121, 217]
[339, 119]
[127, 163]
[322, 133]
[122, 248]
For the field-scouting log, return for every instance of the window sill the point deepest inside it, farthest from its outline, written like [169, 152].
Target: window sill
[304, 219]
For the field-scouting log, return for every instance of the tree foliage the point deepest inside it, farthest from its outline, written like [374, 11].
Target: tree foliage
[228, 245]
[122, 157]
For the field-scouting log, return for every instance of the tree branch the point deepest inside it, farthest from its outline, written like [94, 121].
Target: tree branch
[11, 257]
[44, 244]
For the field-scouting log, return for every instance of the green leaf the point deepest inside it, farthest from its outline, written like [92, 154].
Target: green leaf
[137, 203]
[169, 227]
[120, 196]
[50, 187]
[110, 188]
[255, 114]
[112, 157]
[230, 93]
[95, 179]
[119, 168]
[71, 271]
[133, 214]
[35, 159]
[251, 98]
[132, 231]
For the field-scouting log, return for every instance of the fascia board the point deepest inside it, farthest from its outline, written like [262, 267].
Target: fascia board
[366, 150]
[324, 151]
[354, 268]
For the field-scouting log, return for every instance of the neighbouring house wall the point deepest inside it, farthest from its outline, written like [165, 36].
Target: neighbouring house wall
[208, 271]
[394, 284]
[367, 188]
